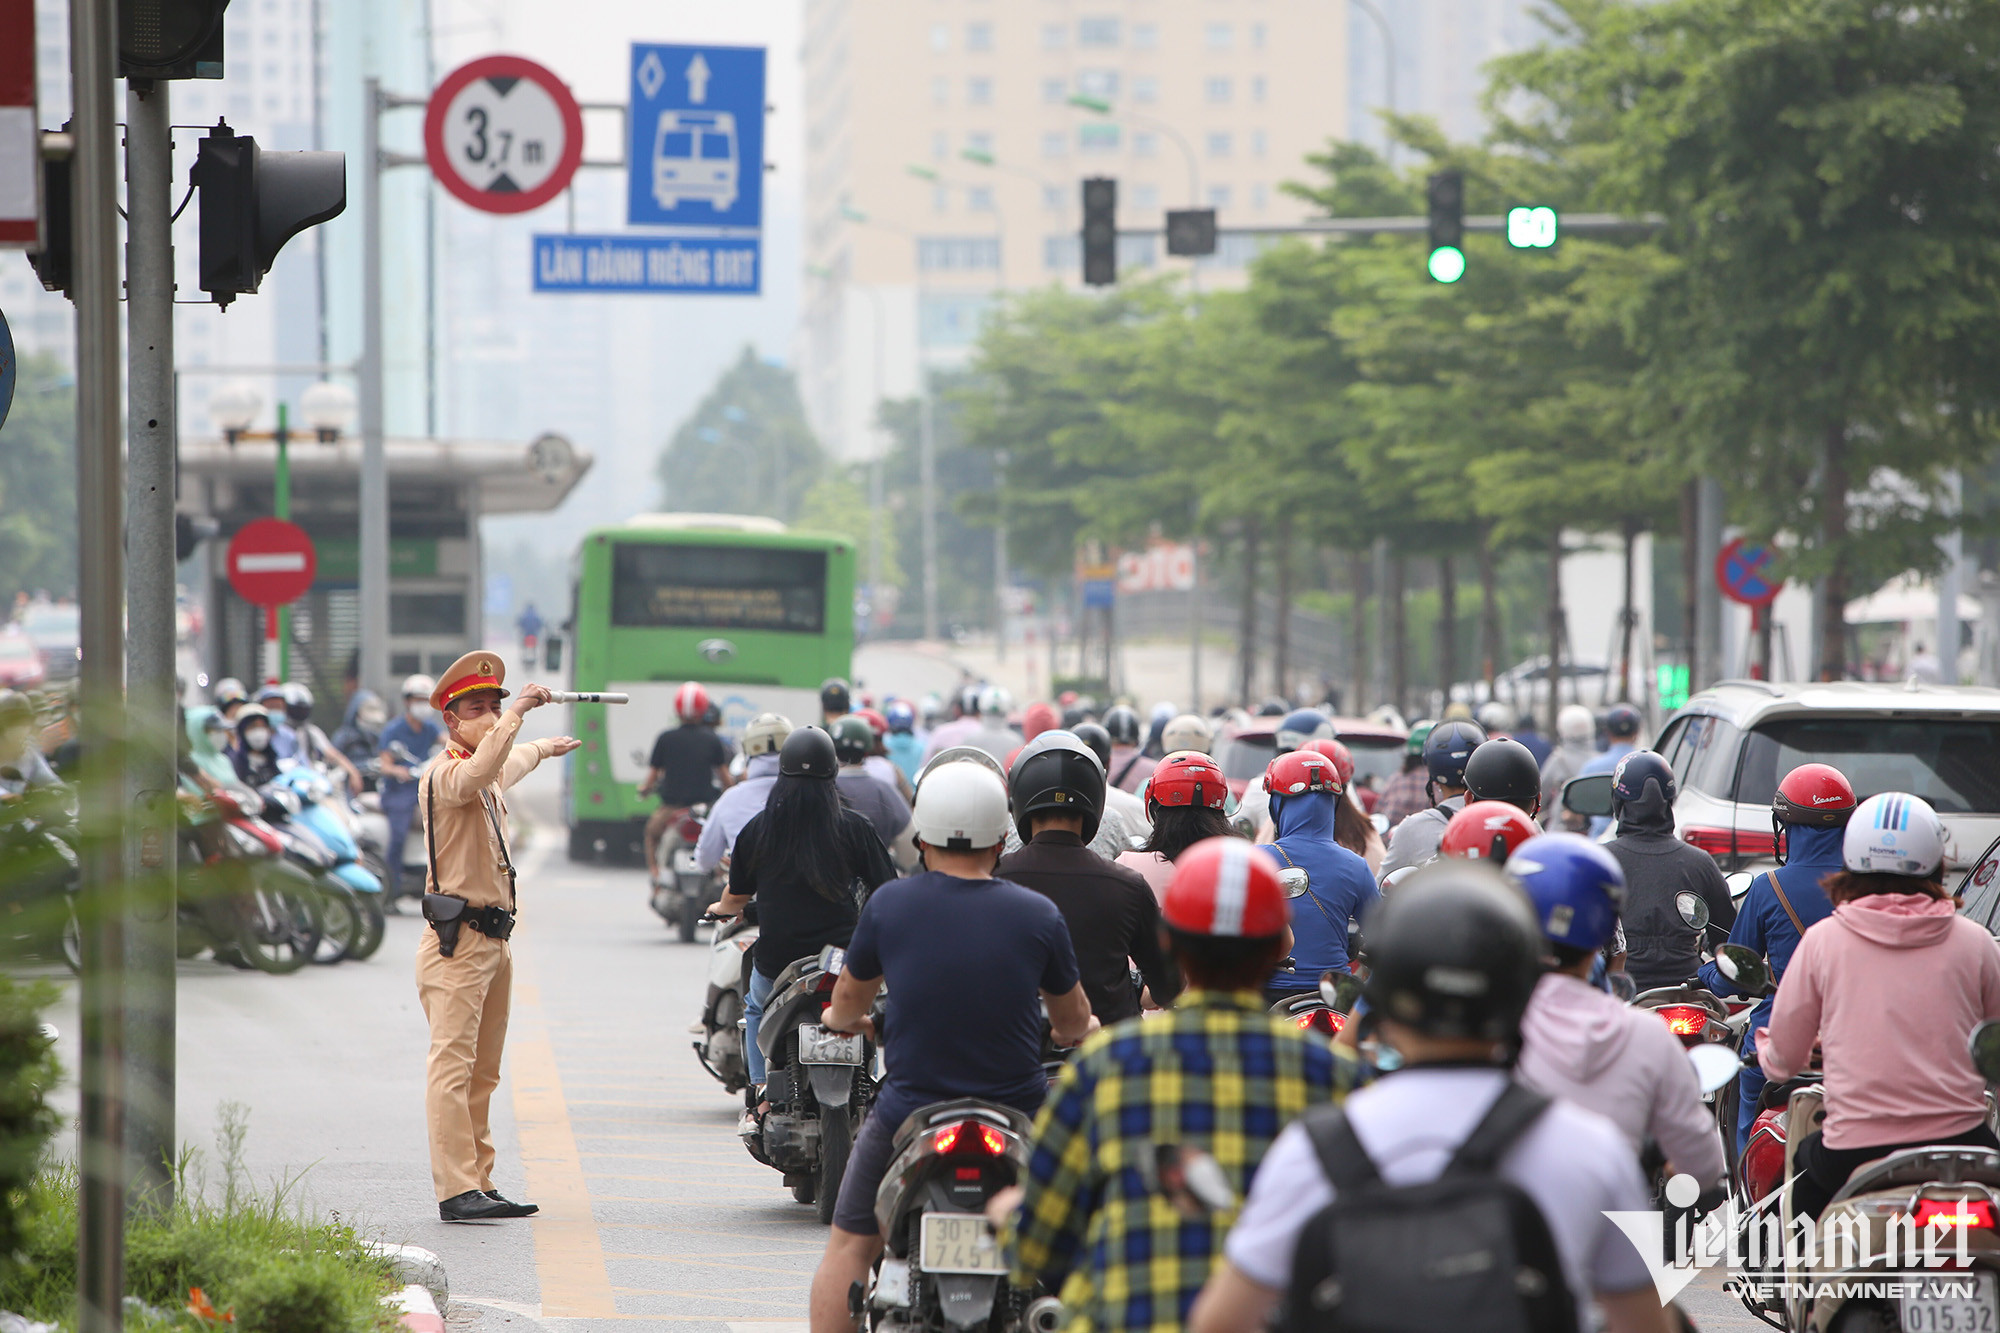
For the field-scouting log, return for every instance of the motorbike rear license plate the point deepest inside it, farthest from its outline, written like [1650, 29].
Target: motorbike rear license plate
[1959, 1303]
[958, 1243]
[817, 1046]
[685, 863]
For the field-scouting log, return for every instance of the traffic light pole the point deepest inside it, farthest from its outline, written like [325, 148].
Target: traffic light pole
[150, 675]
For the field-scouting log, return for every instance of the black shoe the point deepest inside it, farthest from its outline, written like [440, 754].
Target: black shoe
[520, 1209]
[472, 1206]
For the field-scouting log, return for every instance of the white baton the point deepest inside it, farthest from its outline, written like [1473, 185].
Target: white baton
[587, 697]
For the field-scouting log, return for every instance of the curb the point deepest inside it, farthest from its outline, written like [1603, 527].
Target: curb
[415, 1267]
[419, 1311]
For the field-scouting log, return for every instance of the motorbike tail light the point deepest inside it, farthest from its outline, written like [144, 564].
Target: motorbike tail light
[826, 982]
[1321, 1020]
[1954, 1213]
[1684, 1020]
[690, 830]
[969, 1137]
[966, 1173]
[1730, 841]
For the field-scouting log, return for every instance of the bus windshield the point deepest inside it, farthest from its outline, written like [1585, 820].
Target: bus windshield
[673, 586]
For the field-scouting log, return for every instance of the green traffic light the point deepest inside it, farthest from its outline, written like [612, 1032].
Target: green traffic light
[1447, 263]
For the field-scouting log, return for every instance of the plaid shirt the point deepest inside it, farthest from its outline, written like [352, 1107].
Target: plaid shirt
[1216, 1074]
[1404, 795]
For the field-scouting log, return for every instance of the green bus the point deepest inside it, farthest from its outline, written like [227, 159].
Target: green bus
[760, 615]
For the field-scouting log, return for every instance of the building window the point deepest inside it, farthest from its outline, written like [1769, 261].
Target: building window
[1145, 198]
[1220, 143]
[1054, 91]
[1257, 36]
[940, 146]
[1062, 251]
[1145, 143]
[1218, 90]
[1055, 36]
[1098, 138]
[1138, 251]
[980, 199]
[940, 37]
[952, 319]
[1218, 196]
[1102, 83]
[1257, 88]
[957, 254]
[979, 36]
[1145, 36]
[1054, 197]
[979, 92]
[980, 141]
[1145, 89]
[940, 199]
[1219, 36]
[1260, 197]
[940, 91]
[1055, 144]
[1098, 33]
[1257, 143]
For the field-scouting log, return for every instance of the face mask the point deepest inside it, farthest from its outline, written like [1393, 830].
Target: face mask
[371, 717]
[257, 737]
[422, 712]
[218, 737]
[473, 730]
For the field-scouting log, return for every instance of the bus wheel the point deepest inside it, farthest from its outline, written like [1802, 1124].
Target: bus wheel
[582, 845]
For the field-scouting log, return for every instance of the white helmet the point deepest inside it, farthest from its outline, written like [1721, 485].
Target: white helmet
[1894, 834]
[1496, 716]
[766, 734]
[418, 687]
[961, 807]
[993, 702]
[1574, 723]
[1187, 732]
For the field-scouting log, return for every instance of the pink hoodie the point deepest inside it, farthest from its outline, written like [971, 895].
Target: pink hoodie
[1892, 985]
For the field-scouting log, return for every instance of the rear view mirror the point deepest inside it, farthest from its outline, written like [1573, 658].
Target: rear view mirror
[1984, 1045]
[1714, 1064]
[1381, 823]
[1739, 884]
[1588, 795]
[1744, 968]
[552, 653]
[1294, 881]
[1693, 909]
[1339, 990]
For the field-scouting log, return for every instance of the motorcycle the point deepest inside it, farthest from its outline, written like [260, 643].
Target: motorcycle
[39, 875]
[1693, 1013]
[272, 905]
[681, 890]
[719, 1033]
[940, 1268]
[819, 1083]
[317, 813]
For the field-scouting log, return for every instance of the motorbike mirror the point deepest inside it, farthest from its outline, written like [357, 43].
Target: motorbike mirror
[1745, 969]
[1381, 823]
[1693, 909]
[1588, 795]
[1622, 985]
[1294, 881]
[1339, 990]
[1984, 1044]
[1739, 884]
[1714, 1064]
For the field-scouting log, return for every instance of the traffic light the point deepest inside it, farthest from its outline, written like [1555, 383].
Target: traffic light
[252, 202]
[1191, 231]
[170, 39]
[1100, 231]
[1531, 228]
[1445, 192]
[54, 263]
[191, 531]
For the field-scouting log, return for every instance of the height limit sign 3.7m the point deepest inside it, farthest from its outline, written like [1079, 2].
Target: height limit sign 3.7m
[503, 134]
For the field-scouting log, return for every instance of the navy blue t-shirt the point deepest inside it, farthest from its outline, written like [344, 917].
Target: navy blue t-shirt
[965, 961]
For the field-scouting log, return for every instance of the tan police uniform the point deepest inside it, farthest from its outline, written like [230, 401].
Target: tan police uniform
[466, 996]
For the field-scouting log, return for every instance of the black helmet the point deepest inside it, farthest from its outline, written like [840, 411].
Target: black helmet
[1447, 749]
[1096, 737]
[298, 701]
[853, 738]
[1455, 951]
[1274, 707]
[1634, 771]
[808, 753]
[1504, 770]
[1056, 771]
[1622, 722]
[1122, 725]
[1072, 717]
[834, 696]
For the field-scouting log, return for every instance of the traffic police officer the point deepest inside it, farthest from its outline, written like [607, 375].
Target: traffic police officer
[465, 968]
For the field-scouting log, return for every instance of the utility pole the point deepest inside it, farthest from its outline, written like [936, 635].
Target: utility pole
[150, 676]
[1707, 596]
[101, 639]
[927, 451]
[373, 668]
[1000, 556]
[1950, 584]
[1194, 614]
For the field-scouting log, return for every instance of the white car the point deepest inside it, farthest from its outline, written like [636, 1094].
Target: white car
[1732, 743]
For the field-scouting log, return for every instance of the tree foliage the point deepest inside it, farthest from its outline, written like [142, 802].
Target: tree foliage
[746, 449]
[38, 482]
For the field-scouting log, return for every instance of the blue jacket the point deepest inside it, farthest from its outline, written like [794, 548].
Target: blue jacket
[906, 751]
[1339, 887]
[1761, 924]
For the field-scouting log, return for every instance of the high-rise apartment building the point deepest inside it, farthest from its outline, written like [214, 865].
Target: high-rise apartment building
[944, 155]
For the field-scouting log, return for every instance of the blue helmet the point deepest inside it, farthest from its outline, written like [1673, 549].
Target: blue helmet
[1305, 724]
[1576, 886]
[900, 716]
[1635, 770]
[1447, 748]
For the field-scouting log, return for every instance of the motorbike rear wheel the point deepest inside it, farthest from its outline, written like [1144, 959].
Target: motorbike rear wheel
[340, 923]
[803, 1189]
[836, 1143]
[280, 928]
[690, 915]
[374, 925]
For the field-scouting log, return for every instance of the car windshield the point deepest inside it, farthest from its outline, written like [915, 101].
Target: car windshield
[1248, 756]
[1953, 763]
[14, 648]
[1375, 761]
[50, 620]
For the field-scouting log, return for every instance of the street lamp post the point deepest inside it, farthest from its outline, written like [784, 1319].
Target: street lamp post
[1098, 106]
[1369, 8]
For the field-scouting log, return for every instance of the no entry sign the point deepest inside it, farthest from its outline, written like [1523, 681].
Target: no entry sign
[503, 134]
[1742, 571]
[271, 562]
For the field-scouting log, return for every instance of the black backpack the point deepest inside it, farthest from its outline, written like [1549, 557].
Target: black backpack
[1468, 1252]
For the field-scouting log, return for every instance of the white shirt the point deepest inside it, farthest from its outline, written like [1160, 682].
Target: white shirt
[1573, 1163]
[1130, 809]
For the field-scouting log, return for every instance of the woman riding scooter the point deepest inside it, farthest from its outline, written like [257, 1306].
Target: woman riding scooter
[1891, 986]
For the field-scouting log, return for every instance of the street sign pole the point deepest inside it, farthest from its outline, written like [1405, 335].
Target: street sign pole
[373, 669]
[281, 505]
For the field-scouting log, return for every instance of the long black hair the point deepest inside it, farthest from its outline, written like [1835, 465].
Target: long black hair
[1179, 827]
[799, 837]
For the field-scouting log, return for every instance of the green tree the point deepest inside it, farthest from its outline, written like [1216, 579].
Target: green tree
[965, 551]
[38, 482]
[746, 449]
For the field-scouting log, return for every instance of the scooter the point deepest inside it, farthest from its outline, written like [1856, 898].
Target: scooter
[681, 890]
[317, 814]
[819, 1083]
[719, 1034]
[234, 894]
[941, 1268]
[1693, 1013]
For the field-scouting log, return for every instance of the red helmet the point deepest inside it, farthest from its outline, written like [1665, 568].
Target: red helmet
[1343, 758]
[876, 722]
[1814, 794]
[690, 702]
[1037, 718]
[1187, 777]
[1302, 771]
[1487, 830]
[1225, 886]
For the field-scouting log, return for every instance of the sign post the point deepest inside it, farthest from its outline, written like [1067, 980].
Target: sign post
[1742, 572]
[271, 563]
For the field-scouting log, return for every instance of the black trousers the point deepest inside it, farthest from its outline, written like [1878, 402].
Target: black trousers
[1824, 1170]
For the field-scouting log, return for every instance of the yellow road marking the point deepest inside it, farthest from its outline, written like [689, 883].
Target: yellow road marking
[569, 1260]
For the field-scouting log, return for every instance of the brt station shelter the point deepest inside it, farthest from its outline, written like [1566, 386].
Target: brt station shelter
[438, 492]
